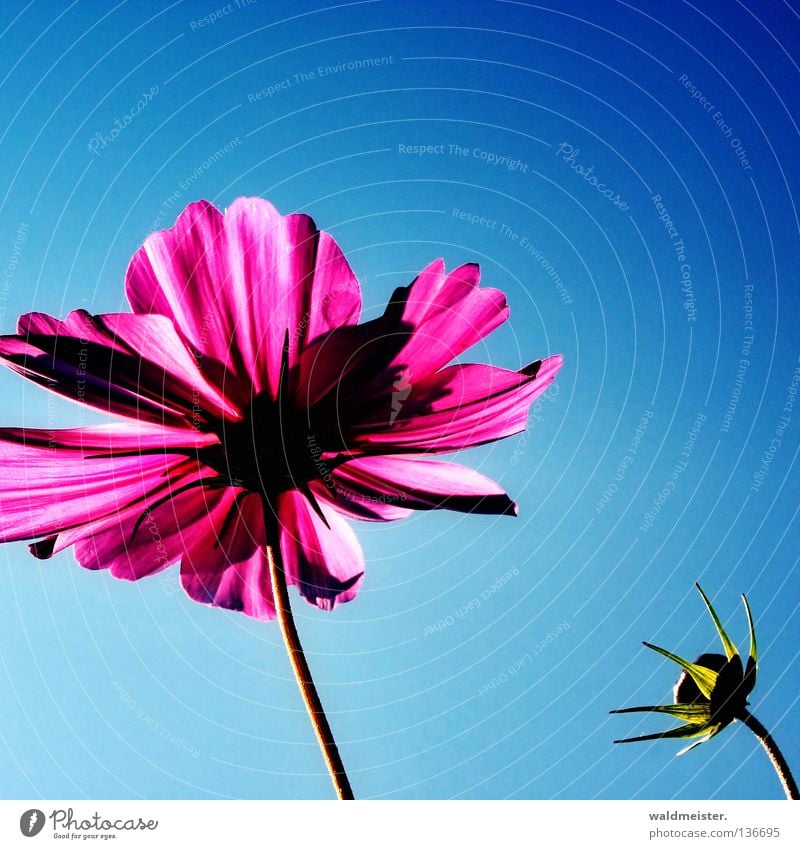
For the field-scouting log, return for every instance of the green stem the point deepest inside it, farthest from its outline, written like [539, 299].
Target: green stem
[775, 754]
[297, 657]
[302, 673]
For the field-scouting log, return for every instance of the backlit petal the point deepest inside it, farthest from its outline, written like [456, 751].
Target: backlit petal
[142, 541]
[421, 484]
[449, 313]
[54, 481]
[462, 406]
[235, 284]
[135, 366]
[325, 563]
[225, 565]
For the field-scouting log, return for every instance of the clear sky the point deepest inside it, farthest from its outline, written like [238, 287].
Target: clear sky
[627, 174]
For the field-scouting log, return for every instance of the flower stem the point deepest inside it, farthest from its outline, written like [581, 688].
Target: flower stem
[775, 754]
[302, 674]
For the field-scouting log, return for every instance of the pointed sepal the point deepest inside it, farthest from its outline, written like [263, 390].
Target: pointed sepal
[706, 679]
[682, 732]
[727, 643]
[694, 713]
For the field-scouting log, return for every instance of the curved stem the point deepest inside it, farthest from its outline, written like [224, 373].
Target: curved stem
[775, 754]
[302, 673]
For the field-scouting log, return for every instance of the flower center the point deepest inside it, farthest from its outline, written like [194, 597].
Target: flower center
[269, 451]
[729, 695]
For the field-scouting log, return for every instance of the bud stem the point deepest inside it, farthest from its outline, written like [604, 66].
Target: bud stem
[775, 754]
[302, 673]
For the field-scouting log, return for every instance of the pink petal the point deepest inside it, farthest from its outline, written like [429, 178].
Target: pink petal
[347, 365]
[448, 313]
[182, 273]
[293, 279]
[227, 566]
[462, 406]
[154, 339]
[118, 438]
[354, 370]
[355, 503]
[55, 481]
[141, 540]
[130, 365]
[325, 563]
[419, 484]
[235, 285]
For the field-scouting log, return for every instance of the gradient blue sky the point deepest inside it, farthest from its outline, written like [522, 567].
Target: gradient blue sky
[111, 689]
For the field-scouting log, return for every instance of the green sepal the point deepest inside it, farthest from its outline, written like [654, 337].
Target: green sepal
[681, 732]
[696, 743]
[753, 646]
[706, 679]
[727, 643]
[693, 713]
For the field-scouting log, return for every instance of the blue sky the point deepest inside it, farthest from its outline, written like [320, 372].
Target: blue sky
[626, 173]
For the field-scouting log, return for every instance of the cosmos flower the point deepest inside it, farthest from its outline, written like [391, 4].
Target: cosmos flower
[711, 692]
[252, 410]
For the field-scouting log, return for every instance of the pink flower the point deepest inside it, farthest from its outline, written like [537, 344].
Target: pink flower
[255, 410]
